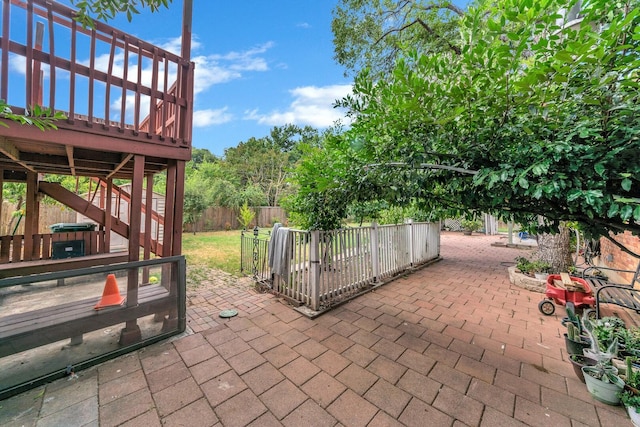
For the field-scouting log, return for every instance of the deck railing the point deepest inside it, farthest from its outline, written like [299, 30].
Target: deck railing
[44, 245]
[105, 81]
[321, 268]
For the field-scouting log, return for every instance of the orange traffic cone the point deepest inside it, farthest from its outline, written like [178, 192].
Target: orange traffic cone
[110, 295]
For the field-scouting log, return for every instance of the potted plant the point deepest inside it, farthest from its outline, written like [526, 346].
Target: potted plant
[574, 342]
[601, 379]
[630, 396]
[470, 225]
[540, 269]
[578, 361]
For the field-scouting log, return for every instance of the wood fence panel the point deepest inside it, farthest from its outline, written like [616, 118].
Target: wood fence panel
[219, 218]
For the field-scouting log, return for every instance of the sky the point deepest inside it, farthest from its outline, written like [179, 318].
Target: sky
[259, 64]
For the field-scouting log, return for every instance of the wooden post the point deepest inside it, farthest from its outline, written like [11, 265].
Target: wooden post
[409, 226]
[31, 217]
[314, 269]
[1, 200]
[375, 262]
[131, 333]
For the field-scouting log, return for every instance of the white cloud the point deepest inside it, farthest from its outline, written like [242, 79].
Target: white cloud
[304, 25]
[311, 106]
[204, 118]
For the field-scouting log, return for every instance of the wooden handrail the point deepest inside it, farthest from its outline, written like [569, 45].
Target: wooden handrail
[155, 105]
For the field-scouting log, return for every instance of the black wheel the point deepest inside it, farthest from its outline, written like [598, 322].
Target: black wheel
[546, 307]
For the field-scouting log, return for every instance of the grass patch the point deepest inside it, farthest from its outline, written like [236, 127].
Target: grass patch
[213, 249]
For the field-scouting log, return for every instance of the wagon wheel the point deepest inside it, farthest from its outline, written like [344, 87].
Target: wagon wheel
[546, 307]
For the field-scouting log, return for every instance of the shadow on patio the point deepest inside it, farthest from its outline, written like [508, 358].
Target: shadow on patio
[452, 344]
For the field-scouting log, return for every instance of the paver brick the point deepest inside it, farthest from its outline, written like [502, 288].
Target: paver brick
[352, 410]
[283, 398]
[211, 368]
[310, 349]
[308, 414]
[176, 396]
[240, 409]
[535, 414]
[459, 406]
[445, 375]
[323, 389]
[420, 386]
[357, 378]
[417, 412]
[387, 369]
[198, 413]
[490, 395]
[262, 378]
[331, 362]
[416, 361]
[125, 408]
[246, 361]
[388, 397]
[299, 370]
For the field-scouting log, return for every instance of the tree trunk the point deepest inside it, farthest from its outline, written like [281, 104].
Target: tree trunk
[555, 249]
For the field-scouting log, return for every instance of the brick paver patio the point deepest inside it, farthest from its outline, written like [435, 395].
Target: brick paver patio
[452, 344]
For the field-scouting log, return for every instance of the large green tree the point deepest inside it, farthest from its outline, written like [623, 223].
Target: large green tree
[523, 117]
[374, 33]
[264, 163]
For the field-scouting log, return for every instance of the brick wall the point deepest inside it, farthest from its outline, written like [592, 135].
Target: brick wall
[613, 257]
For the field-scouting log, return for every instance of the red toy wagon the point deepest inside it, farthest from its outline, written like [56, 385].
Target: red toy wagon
[562, 288]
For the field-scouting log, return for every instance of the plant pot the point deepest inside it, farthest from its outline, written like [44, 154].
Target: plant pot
[541, 276]
[600, 390]
[467, 233]
[635, 417]
[575, 347]
[578, 361]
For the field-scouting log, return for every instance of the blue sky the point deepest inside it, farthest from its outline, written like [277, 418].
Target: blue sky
[259, 64]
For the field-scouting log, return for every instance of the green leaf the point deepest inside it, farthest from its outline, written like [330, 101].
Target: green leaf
[626, 212]
[626, 184]
[613, 210]
[523, 182]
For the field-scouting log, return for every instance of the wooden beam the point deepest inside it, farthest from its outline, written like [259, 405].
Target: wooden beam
[72, 165]
[120, 165]
[10, 150]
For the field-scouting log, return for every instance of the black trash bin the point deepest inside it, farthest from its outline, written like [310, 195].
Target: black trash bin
[69, 248]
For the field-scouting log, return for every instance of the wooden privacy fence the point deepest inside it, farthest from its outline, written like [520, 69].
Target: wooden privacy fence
[219, 218]
[321, 268]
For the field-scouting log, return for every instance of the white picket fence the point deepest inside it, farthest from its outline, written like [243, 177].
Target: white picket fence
[322, 268]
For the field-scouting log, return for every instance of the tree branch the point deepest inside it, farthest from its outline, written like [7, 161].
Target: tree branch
[424, 25]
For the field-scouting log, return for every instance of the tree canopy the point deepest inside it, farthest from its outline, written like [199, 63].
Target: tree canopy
[526, 116]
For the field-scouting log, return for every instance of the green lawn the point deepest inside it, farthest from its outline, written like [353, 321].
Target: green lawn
[213, 249]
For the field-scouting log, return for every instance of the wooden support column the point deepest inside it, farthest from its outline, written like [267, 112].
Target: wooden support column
[1, 200]
[107, 216]
[169, 210]
[131, 333]
[179, 209]
[31, 216]
[172, 232]
[148, 212]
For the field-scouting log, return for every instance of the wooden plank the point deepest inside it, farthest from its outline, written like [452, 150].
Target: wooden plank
[17, 269]
[5, 249]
